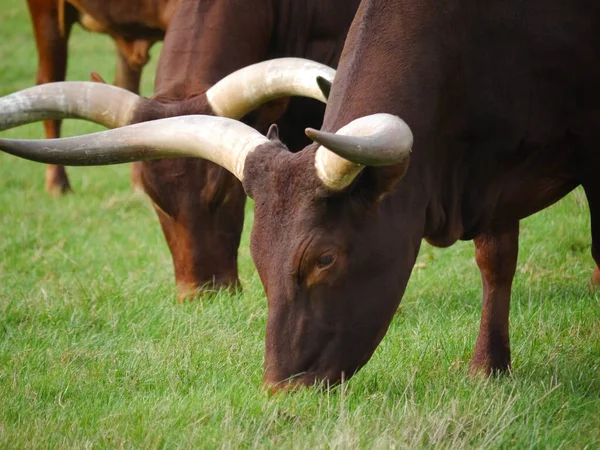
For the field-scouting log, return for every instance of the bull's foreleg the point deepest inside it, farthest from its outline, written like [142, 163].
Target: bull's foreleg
[596, 277]
[51, 44]
[128, 76]
[592, 192]
[496, 254]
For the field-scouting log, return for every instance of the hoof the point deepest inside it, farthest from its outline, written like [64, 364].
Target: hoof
[487, 367]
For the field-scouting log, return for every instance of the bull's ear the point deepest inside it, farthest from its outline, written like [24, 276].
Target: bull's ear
[95, 77]
[267, 158]
[375, 183]
[273, 133]
[325, 86]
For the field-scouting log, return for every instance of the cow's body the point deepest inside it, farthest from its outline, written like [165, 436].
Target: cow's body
[133, 25]
[200, 205]
[503, 101]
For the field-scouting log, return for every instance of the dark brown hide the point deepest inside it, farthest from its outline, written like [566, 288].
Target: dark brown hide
[200, 205]
[502, 98]
[133, 25]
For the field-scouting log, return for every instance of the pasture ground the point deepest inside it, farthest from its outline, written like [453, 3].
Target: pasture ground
[95, 351]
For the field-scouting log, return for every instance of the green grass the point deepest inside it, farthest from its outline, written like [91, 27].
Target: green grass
[95, 351]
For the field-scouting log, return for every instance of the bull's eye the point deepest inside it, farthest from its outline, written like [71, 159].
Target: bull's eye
[325, 260]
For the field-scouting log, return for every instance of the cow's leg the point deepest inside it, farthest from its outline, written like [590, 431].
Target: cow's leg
[496, 254]
[596, 277]
[52, 54]
[128, 76]
[592, 192]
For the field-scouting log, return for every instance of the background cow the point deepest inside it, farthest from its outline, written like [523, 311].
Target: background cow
[502, 102]
[201, 206]
[133, 25]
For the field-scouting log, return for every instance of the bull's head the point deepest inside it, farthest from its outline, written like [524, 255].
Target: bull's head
[325, 255]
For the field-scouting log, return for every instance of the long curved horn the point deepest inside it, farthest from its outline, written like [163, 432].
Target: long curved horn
[240, 92]
[375, 140]
[223, 141]
[107, 105]
[234, 96]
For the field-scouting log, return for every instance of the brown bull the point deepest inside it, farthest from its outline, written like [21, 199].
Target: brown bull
[201, 206]
[502, 100]
[134, 25]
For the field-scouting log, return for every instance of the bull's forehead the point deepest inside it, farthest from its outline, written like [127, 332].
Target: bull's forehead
[294, 174]
[291, 205]
[288, 211]
[280, 180]
[294, 200]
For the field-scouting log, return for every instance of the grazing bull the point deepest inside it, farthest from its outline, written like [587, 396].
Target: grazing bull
[201, 206]
[133, 25]
[502, 100]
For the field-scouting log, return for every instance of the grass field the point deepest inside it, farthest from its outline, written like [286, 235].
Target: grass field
[95, 351]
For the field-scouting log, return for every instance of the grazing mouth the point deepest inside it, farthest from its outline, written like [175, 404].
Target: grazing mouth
[307, 379]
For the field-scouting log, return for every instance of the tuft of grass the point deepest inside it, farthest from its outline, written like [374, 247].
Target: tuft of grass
[95, 351]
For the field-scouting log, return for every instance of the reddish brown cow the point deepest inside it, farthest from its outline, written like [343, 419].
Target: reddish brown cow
[502, 99]
[201, 206]
[134, 26]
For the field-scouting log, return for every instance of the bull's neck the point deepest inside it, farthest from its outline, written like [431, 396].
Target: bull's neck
[311, 29]
[396, 61]
[207, 41]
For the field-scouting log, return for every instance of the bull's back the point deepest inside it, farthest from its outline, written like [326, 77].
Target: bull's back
[131, 18]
